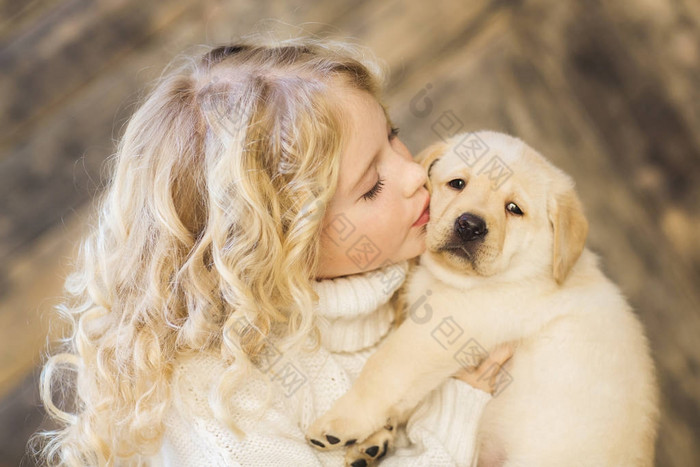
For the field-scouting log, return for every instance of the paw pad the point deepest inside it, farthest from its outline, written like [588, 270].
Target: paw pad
[318, 443]
[372, 451]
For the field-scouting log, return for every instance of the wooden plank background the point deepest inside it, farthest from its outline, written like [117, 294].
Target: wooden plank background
[608, 90]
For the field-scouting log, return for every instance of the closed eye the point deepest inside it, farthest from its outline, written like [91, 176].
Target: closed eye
[393, 133]
[371, 194]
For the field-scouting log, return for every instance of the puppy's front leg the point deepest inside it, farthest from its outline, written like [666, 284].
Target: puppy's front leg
[406, 367]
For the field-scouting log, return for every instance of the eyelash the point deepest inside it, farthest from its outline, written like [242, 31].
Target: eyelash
[394, 133]
[371, 194]
[375, 189]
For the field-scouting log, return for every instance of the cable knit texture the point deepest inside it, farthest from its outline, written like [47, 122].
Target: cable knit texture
[354, 317]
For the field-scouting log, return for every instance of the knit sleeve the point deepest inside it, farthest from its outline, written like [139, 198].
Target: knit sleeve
[442, 430]
[194, 437]
[206, 443]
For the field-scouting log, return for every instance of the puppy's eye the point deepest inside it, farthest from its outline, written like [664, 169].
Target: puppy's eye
[457, 184]
[512, 207]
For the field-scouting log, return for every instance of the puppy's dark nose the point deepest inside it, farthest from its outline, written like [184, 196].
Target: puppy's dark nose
[470, 227]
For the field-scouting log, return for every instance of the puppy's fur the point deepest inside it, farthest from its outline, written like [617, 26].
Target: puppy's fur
[583, 389]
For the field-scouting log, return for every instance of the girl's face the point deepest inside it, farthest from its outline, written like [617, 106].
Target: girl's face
[372, 218]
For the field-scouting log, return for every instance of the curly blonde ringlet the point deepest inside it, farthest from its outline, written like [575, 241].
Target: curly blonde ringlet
[207, 239]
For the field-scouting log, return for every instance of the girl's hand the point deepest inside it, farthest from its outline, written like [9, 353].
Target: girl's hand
[477, 376]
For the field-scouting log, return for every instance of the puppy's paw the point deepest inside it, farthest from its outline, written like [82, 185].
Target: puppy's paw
[372, 449]
[339, 428]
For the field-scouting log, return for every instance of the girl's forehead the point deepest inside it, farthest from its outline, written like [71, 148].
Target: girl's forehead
[360, 98]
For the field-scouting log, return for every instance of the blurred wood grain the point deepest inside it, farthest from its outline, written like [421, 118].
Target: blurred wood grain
[609, 91]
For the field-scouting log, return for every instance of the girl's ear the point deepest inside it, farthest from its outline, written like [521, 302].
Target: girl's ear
[570, 230]
[428, 156]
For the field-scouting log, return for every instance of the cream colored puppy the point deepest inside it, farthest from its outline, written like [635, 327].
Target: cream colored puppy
[505, 262]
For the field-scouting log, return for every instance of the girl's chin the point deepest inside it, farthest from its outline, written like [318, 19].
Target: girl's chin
[421, 244]
[417, 249]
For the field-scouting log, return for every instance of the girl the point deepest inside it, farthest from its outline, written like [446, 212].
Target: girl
[260, 218]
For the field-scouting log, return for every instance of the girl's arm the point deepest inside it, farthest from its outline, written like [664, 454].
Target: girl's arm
[194, 437]
[204, 442]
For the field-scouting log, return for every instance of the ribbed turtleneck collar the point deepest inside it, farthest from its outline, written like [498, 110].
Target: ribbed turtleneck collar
[354, 309]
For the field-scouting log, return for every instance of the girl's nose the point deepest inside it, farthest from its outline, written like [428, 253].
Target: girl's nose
[415, 178]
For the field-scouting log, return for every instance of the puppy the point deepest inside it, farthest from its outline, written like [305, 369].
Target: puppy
[506, 262]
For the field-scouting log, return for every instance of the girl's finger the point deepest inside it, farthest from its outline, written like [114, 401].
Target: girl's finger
[500, 355]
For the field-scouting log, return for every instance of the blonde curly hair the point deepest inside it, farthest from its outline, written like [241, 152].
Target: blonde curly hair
[212, 218]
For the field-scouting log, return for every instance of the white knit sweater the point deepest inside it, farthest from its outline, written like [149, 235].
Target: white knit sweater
[355, 318]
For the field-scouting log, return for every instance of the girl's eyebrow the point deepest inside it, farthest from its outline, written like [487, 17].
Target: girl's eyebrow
[374, 158]
[364, 172]
[389, 123]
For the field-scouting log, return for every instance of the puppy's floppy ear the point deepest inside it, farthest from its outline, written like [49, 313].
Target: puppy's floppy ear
[570, 230]
[430, 155]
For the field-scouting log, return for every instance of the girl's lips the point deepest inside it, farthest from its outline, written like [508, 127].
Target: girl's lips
[423, 219]
[425, 215]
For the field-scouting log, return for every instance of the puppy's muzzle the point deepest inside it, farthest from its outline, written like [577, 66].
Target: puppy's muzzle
[470, 227]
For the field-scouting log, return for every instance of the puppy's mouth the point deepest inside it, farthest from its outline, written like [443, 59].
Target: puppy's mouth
[459, 250]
